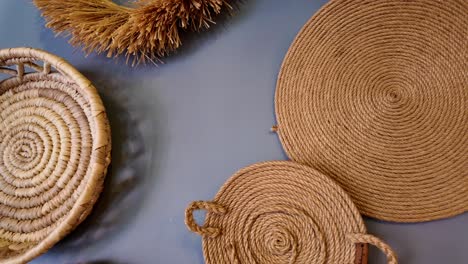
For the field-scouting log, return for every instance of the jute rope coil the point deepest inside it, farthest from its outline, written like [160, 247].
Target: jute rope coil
[374, 94]
[282, 212]
[54, 151]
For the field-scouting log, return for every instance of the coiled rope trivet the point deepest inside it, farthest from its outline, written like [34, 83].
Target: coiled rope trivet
[282, 212]
[374, 94]
[144, 29]
[54, 151]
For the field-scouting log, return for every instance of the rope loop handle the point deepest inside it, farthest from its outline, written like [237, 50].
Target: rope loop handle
[370, 239]
[211, 207]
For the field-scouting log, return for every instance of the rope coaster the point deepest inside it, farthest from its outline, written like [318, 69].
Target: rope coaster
[54, 151]
[374, 94]
[282, 212]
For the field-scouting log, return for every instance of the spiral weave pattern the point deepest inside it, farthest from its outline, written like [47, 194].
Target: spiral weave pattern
[374, 94]
[279, 212]
[54, 152]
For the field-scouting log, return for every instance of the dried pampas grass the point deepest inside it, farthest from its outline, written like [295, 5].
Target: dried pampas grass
[147, 30]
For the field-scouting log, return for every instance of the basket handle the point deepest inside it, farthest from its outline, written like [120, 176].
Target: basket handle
[370, 239]
[20, 71]
[211, 207]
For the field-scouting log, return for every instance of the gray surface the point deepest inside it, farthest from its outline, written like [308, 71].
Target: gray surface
[180, 130]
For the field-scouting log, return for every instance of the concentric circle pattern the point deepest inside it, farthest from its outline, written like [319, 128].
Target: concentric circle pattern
[282, 212]
[54, 151]
[374, 94]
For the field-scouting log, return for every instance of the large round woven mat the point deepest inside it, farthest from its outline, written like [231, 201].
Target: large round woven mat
[54, 151]
[374, 94]
[282, 212]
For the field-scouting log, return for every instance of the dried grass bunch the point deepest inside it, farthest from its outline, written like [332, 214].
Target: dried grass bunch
[145, 30]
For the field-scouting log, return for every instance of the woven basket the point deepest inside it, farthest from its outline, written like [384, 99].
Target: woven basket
[282, 212]
[54, 151]
[374, 94]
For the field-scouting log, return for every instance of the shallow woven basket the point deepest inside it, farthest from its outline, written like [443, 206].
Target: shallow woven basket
[374, 94]
[282, 212]
[54, 151]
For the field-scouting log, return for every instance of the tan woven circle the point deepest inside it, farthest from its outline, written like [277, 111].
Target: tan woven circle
[54, 151]
[374, 94]
[281, 212]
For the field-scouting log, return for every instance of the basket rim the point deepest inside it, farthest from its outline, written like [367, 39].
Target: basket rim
[88, 197]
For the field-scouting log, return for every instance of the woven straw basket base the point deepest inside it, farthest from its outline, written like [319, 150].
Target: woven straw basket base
[374, 94]
[54, 151]
[282, 212]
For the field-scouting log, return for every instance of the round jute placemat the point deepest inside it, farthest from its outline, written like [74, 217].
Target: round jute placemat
[54, 151]
[282, 212]
[374, 94]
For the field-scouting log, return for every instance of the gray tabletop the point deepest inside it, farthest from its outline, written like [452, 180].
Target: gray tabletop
[182, 129]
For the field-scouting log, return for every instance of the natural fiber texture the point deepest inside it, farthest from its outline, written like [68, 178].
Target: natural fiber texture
[146, 30]
[281, 212]
[54, 151]
[374, 94]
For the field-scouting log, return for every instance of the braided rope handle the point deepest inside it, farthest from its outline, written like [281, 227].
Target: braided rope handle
[209, 231]
[211, 207]
[370, 239]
